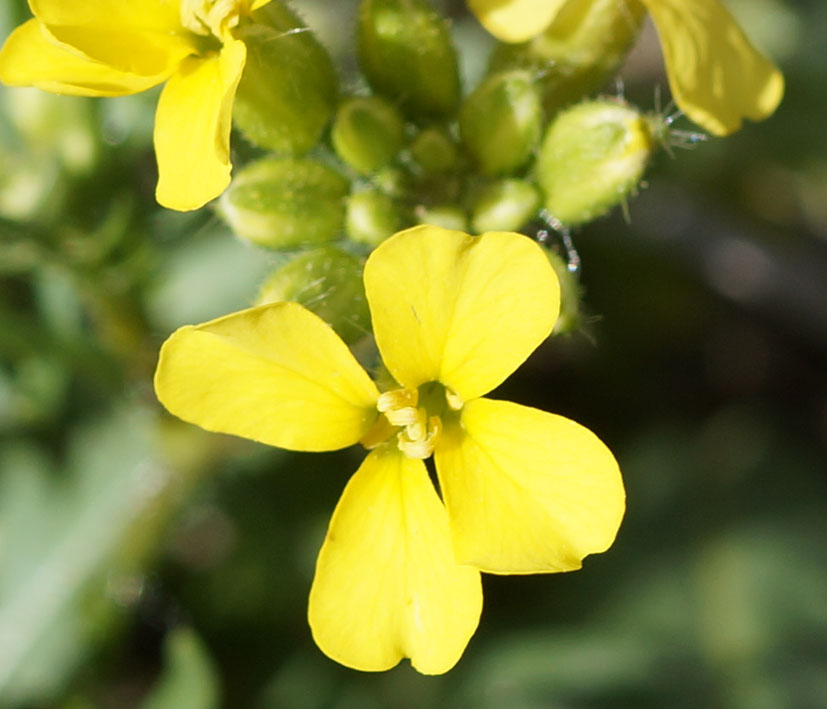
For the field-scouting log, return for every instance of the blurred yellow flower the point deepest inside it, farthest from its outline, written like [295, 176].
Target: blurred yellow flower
[717, 77]
[118, 47]
[523, 491]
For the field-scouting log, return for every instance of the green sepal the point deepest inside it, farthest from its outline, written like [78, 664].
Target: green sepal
[592, 158]
[288, 89]
[447, 216]
[579, 51]
[372, 217]
[571, 294]
[367, 133]
[505, 205]
[434, 151]
[405, 52]
[285, 202]
[327, 281]
[501, 122]
[393, 181]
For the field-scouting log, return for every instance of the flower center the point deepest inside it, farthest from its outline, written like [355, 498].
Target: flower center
[415, 415]
[210, 17]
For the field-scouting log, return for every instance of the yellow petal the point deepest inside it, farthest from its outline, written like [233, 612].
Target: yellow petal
[515, 20]
[30, 57]
[142, 37]
[462, 310]
[157, 15]
[386, 584]
[277, 374]
[527, 491]
[717, 77]
[192, 128]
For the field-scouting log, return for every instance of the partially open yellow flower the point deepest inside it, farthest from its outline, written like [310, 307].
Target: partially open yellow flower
[523, 491]
[717, 77]
[119, 47]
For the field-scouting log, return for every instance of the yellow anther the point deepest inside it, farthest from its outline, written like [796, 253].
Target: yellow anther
[419, 430]
[397, 399]
[407, 416]
[422, 445]
[454, 401]
[206, 17]
[399, 405]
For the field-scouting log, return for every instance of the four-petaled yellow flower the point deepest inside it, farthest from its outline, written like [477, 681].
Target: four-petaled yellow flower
[523, 491]
[119, 47]
[717, 77]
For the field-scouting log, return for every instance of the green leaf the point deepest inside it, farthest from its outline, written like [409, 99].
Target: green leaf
[68, 536]
[189, 679]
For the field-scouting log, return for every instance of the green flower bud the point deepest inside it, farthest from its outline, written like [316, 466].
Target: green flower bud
[61, 126]
[367, 133]
[592, 158]
[579, 51]
[328, 282]
[392, 181]
[506, 205]
[434, 151]
[571, 294]
[372, 217]
[285, 202]
[405, 52]
[30, 190]
[288, 89]
[448, 216]
[501, 122]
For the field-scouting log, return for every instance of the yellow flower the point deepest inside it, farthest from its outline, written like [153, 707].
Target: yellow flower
[717, 77]
[523, 491]
[119, 47]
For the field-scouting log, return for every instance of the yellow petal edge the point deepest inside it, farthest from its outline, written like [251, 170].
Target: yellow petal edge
[276, 374]
[515, 20]
[386, 584]
[717, 77]
[527, 491]
[192, 128]
[31, 57]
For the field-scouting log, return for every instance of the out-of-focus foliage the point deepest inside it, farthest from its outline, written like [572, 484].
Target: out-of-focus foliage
[189, 680]
[701, 361]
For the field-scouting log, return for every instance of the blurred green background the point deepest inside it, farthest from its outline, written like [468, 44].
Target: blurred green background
[146, 563]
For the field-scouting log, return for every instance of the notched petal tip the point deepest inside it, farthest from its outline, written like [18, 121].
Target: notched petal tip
[387, 585]
[498, 299]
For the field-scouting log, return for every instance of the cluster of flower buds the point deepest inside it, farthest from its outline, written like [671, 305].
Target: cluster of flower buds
[532, 146]
[527, 144]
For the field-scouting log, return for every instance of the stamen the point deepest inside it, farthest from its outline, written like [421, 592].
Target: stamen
[420, 430]
[453, 399]
[421, 447]
[209, 17]
[399, 405]
[396, 399]
[406, 416]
